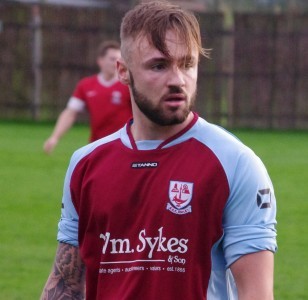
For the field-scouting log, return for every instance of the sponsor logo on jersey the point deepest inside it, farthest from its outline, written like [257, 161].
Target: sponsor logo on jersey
[141, 165]
[264, 198]
[180, 195]
[116, 97]
[91, 93]
[145, 244]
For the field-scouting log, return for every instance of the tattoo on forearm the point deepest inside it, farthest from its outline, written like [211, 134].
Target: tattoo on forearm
[67, 280]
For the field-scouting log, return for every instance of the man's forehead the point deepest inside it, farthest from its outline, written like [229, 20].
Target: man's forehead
[176, 47]
[113, 51]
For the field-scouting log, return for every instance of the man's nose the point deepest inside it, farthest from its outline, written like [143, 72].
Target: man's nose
[176, 77]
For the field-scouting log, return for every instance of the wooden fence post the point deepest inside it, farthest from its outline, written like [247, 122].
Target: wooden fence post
[36, 61]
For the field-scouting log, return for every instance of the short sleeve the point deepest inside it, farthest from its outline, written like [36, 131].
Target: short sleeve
[68, 224]
[76, 104]
[249, 219]
[79, 91]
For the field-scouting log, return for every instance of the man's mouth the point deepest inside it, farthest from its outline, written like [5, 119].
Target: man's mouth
[175, 98]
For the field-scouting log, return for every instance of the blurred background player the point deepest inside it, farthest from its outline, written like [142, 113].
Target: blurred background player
[105, 98]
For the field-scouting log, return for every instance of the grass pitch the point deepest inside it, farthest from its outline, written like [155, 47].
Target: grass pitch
[31, 188]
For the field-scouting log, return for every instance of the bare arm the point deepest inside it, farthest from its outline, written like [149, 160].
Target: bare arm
[65, 121]
[67, 278]
[253, 274]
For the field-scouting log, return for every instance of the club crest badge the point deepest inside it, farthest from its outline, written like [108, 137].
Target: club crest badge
[180, 195]
[116, 97]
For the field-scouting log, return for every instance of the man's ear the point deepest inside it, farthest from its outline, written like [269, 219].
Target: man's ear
[123, 73]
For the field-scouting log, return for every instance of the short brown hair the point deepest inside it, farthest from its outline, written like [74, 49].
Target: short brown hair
[154, 19]
[105, 46]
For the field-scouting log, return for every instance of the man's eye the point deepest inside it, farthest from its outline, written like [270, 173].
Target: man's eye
[188, 65]
[158, 67]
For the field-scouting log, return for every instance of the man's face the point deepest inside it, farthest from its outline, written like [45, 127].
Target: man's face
[107, 63]
[163, 88]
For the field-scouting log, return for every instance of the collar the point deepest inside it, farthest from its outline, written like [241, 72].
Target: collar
[165, 142]
[104, 82]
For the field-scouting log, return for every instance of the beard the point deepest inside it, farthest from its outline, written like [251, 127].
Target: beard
[157, 113]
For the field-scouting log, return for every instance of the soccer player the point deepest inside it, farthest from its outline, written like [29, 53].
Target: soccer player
[103, 95]
[170, 206]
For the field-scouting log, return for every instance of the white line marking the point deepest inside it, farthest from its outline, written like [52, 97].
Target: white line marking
[131, 261]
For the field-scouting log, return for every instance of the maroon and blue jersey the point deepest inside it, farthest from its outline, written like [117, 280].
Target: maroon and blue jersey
[166, 219]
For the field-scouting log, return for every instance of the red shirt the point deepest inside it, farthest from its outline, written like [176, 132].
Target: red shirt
[108, 105]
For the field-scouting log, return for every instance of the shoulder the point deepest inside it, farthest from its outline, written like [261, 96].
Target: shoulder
[219, 140]
[87, 151]
[234, 156]
[89, 80]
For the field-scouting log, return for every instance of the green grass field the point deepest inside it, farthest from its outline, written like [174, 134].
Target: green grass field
[31, 188]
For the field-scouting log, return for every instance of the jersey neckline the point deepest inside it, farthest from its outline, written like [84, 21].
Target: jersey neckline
[104, 82]
[165, 142]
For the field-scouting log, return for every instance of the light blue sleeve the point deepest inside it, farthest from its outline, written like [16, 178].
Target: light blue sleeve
[249, 218]
[68, 224]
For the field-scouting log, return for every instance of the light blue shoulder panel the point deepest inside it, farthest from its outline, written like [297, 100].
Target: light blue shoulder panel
[250, 212]
[68, 224]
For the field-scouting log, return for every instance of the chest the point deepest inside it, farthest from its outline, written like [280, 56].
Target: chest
[166, 187]
[98, 95]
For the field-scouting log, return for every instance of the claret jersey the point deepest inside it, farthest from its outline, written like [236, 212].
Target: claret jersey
[108, 104]
[166, 219]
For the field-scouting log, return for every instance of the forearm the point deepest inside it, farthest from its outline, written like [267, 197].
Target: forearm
[67, 279]
[64, 123]
[253, 274]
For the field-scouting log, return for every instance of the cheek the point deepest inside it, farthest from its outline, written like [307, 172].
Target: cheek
[112, 63]
[144, 83]
[192, 80]
[193, 74]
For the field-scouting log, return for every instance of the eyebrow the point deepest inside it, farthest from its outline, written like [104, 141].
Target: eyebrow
[188, 58]
[156, 60]
[166, 59]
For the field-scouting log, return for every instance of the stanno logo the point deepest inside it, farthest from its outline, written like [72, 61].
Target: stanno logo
[141, 165]
[180, 195]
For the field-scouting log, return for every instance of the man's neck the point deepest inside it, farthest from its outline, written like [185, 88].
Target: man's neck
[107, 76]
[143, 129]
[106, 80]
